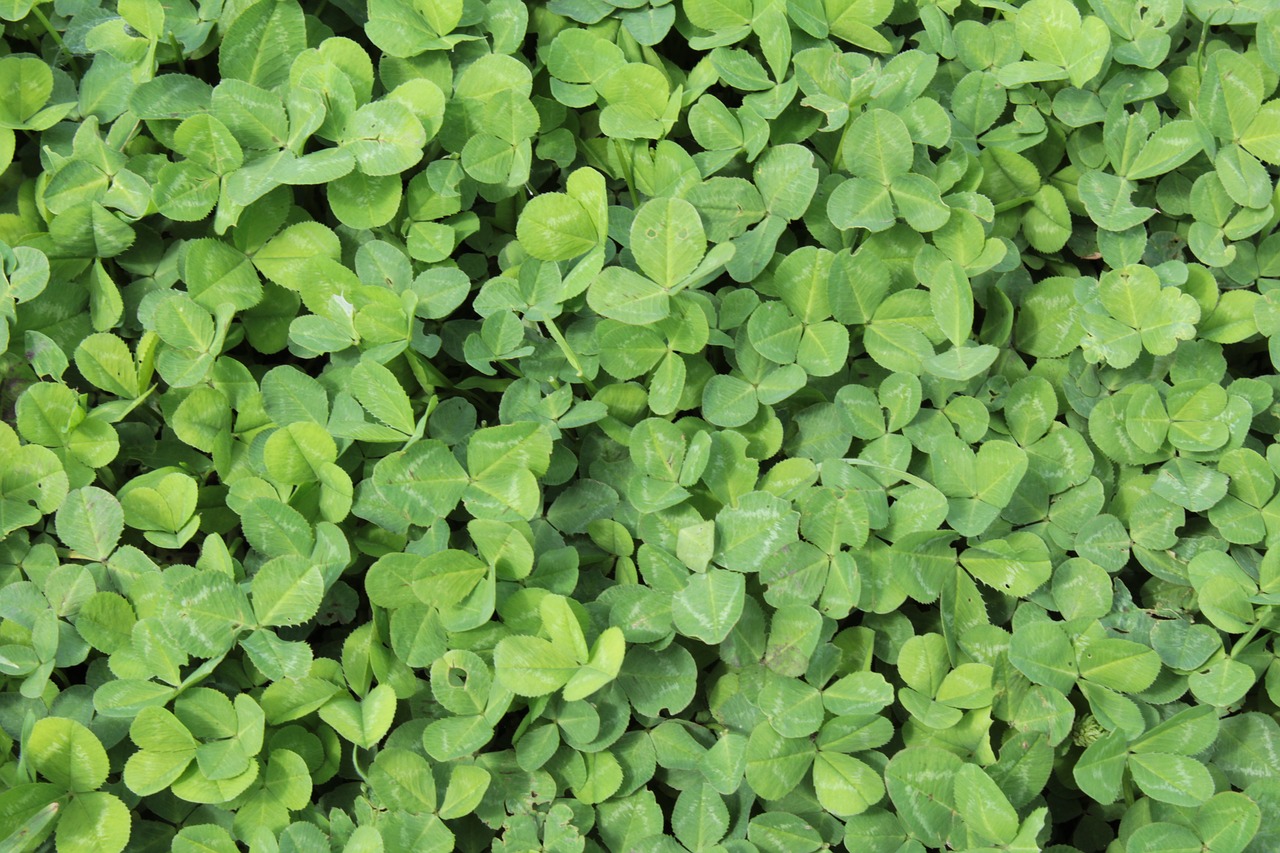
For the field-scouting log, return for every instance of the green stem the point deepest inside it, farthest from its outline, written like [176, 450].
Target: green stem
[1013, 202]
[48, 28]
[34, 825]
[628, 172]
[133, 131]
[902, 475]
[200, 674]
[1204, 37]
[569, 354]
[426, 373]
[177, 49]
[53, 34]
[837, 160]
[1261, 622]
[421, 427]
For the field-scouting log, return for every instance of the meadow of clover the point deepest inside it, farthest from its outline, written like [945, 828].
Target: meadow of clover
[628, 426]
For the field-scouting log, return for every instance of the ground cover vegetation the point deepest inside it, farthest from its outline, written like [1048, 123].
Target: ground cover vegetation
[626, 425]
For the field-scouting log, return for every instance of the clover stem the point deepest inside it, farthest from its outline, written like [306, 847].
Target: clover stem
[204, 671]
[569, 354]
[177, 49]
[44, 22]
[837, 161]
[133, 131]
[1244, 641]
[855, 109]
[1013, 202]
[53, 34]
[1204, 37]
[357, 764]
[428, 376]
[628, 172]
[902, 475]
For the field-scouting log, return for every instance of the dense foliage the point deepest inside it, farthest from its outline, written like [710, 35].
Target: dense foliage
[627, 425]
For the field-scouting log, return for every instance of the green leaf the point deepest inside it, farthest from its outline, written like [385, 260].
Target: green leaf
[628, 297]
[877, 146]
[90, 522]
[1100, 769]
[67, 754]
[1168, 148]
[699, 818]
[363, 201]
[845, 786]
[466, 788]
[261, 42]
[1042, 652]
[531, 666]
[1262, 137]
[709, 606]
[287, 591]
[1052, 31]
[728, 401]
[1164, 836]
[667, 240]
[787, 180]
[1228, 822]
[362, 723]
[94, 822]
[1174, 779]
[105, 361]
[1017, 565]
[983, 806]
[1122, 665]
[1108, 199]
[380, 392]
[921, 783]
[776, 764]
[556, 227]
[1243, 747]
[602, 665]
[29, 83]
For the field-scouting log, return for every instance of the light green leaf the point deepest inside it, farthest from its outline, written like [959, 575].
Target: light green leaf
[709, 606]
[667, 240]
[67, 754]
[90, 522]
[531, 666]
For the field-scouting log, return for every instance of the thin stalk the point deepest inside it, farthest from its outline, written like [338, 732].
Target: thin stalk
[48, 28]
[628, 172]
[204, 671]
[133, 131]
[902, 475]
[428, 376]
[1244, 641]
[177, 49]
[837, 161]
[53, 34]
[569, 354]
[1014, 202]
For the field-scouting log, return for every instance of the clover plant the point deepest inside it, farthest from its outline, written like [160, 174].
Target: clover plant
[723, 426]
